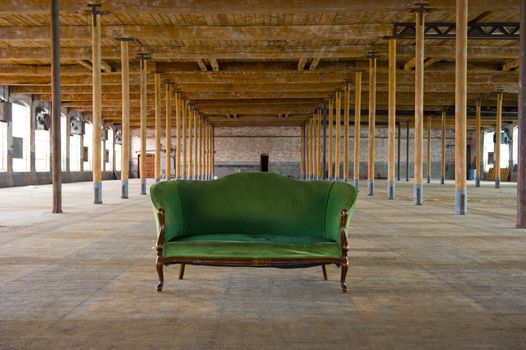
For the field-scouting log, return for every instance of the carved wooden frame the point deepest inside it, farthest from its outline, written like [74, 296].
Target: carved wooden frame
[342, 262]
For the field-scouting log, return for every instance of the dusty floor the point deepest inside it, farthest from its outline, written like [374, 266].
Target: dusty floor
[420, 277]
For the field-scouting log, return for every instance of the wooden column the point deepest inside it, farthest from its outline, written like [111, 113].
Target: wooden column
[419, 110]
[213, 163]
[157, 106]
[125, 129]
[97, 106]
[498, 126]
[331, 126]
[205, 150]
[428, 149]
[143, 112]
[372, 125]
[319, 175]
[302, 153]
[55, 91]
[460, 107]
[191, 117]
[184, 116]
[168, 123]
[521, 160]
[357, 121]
[313, 148]
[195, 144]
[307, 150]
[443, 149]
[407, 152]
[178, 113]
[200, 147]
[346, 126]
[391, 132]
[478, 144]
[337, 141]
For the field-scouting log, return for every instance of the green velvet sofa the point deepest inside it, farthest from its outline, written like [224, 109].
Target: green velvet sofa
[252, 219]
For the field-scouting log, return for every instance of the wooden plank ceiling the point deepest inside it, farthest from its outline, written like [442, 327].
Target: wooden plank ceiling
[251, 62]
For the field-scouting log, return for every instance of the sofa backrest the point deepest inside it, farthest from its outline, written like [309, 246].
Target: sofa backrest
[253, 203]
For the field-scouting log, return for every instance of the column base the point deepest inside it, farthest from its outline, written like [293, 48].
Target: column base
[442, 180]
[390, 190]
[370, 187]
[357, 184]
[143, 186]
[428, 179]
[418, 194]
[124, 189]
[497, 182]
[97, 192]
[461, 202]
[477, 181]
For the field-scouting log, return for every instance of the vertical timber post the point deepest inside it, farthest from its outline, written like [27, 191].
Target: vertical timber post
[337, 148]
[391, 136]
[460, 107]
[357, 121]
[168, 123]
[125, 90]
[419, 109]
[55, 91]
[330, 126]
[443, 149]
[178, 135]
[143, 111]
[308, 150]
[318, 146]
[521, 160]
[478, 144]
[498, 126]
[97, 103]
[428, 149]
[372, 124]
[407, 152]
[302, 153]
[324, 169]
[184, 118]
[346, 106]
[398, 152]
[157, 106]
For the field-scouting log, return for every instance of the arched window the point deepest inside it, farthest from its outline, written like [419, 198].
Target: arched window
[21, 132]
[86, 154]
[42, 140]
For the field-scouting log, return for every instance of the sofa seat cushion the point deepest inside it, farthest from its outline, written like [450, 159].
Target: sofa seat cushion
[252, 246]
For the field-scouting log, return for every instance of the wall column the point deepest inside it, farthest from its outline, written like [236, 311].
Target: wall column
[318, 146]
[330, 126]
[372, 124]
[157, 88]
[428, 149]
[460, 107]
[391, 133]
[168, 121]
[337, 142]
[498, 126]
[443, 149]
[178, 110]
[143, 112]
[346, 106]
[125, 128]
[97, 106]
[521, 160]
[419, 109]
[184, 116]
[357, 121]
[478, 144]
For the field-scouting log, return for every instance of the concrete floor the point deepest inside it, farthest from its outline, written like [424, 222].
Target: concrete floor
[420, 277]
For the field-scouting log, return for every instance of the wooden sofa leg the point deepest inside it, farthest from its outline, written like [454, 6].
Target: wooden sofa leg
[345, 267]
[159, 265]
[181, 271]
[324, 269]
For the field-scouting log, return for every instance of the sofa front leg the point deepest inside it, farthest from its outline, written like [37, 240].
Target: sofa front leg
[159, 265]
[345, 268]
[181, 271]
[324, 270]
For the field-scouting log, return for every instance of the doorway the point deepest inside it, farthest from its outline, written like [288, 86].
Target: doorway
[263, 162]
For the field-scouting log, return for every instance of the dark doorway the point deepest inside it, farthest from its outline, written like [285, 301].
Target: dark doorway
[263, 163]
